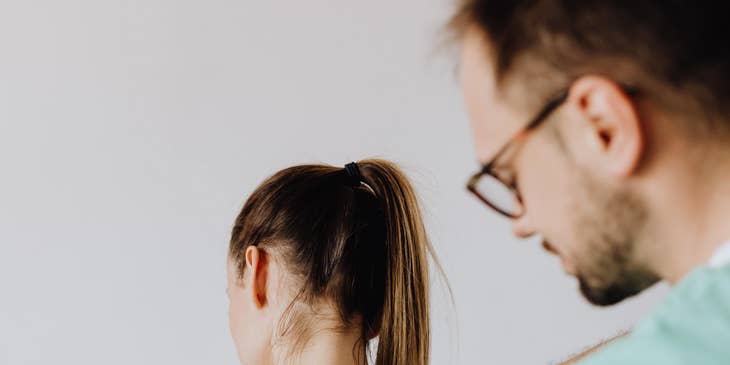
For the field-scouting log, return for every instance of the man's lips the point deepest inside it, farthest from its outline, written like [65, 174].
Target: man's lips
[549, 248]
[569, 269]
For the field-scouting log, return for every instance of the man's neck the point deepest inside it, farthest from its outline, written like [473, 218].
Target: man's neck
[692, 217]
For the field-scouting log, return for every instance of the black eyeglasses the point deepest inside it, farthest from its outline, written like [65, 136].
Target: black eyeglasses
[490, 188]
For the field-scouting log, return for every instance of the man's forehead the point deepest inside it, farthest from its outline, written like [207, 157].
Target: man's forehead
[492, 120]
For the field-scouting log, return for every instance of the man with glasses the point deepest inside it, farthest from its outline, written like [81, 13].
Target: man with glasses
[604, 127]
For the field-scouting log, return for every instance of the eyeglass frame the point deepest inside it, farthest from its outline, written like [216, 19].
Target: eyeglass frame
[488, 168]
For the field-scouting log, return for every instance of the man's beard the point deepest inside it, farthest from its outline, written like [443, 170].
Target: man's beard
[609, 223]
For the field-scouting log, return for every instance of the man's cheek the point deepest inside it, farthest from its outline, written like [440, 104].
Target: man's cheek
[539, 197]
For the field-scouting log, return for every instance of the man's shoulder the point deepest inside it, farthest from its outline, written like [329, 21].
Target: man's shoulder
[691, 326]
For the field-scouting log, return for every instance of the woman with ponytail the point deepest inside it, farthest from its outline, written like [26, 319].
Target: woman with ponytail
[322, 261]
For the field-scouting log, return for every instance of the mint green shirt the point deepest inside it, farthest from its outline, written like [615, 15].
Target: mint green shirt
[691, 326]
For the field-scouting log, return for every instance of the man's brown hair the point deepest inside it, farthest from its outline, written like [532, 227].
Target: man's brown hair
[674, 52]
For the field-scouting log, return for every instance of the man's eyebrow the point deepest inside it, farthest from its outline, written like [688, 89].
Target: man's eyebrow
[502, 171]
[504, 155]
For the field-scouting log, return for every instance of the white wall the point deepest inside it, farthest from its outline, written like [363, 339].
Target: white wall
[132, 131]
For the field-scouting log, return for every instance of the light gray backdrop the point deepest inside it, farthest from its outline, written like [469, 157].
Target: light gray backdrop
[132, 131]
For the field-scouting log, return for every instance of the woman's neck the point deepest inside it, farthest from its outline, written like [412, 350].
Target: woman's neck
[329, 347]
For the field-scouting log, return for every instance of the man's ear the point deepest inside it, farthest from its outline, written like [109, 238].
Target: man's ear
[257, 264]
[614, 130]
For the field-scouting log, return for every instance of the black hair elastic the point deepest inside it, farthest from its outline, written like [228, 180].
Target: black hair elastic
[352, 172]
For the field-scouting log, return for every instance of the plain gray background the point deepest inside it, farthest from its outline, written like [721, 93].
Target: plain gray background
[132, 131]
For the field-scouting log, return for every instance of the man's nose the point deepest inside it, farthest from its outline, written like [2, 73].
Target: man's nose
[522, 228]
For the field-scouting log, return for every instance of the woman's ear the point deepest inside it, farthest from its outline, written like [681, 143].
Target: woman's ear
[257, 263]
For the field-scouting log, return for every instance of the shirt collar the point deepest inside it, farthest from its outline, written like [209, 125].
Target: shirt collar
[721, 256]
